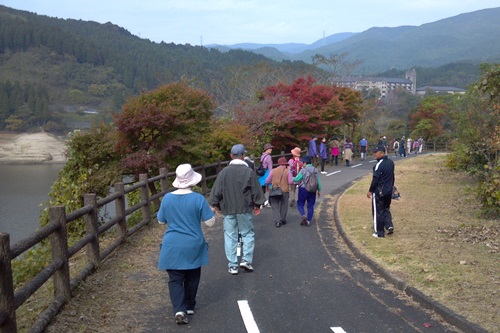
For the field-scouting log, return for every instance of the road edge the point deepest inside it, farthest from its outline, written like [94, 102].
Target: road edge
[444, 312]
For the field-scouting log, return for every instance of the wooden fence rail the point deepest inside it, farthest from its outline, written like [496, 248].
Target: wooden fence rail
[56, 231]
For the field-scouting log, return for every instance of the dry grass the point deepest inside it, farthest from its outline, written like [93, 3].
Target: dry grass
[439, 246]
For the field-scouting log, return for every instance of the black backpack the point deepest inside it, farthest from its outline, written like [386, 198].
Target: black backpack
[260, 171]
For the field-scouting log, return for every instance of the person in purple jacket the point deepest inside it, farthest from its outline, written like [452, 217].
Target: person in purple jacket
[313, 151]
[323, 154]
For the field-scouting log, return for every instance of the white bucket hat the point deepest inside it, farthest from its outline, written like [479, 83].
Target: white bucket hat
[185, 176]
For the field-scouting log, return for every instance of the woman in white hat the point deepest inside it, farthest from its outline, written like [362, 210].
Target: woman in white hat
[184, 249]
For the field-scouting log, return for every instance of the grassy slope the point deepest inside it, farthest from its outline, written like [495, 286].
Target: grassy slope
[440, 246]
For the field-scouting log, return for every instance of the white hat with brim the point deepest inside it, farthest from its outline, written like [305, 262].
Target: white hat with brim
[185, 176]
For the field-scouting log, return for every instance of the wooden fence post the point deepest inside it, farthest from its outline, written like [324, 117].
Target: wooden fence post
[7, 309]
[204, 186]
[146, 213]
[92, 228]
[219, 167]
[164, 180]
[120, 212]
[59, 245]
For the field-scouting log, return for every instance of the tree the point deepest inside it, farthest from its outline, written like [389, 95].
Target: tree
[428, 122]
[164, 127]
[287, 115]
[477, 131]
[337, 65]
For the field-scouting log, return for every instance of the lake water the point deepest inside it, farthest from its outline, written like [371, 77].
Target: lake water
[24, 191]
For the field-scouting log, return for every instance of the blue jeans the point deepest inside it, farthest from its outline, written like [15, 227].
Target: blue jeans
[304, 197]
[242, 223]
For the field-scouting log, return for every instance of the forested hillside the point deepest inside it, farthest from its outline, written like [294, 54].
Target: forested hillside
[51, 66]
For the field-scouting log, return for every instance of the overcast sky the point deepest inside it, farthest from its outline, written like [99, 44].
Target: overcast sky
[205, 22]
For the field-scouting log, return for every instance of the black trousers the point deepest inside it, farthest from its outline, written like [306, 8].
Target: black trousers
[183, 286]
[381, 211]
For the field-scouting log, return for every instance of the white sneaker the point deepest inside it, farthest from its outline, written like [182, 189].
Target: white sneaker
[324, 172]
[247, 266]
[233, 270]
[181, 318]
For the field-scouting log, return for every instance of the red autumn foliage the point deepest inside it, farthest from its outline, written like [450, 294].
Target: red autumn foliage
[290, 114]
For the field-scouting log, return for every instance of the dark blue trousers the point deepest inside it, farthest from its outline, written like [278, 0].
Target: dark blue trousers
[183, 286]
[304, 197]
[381, 211]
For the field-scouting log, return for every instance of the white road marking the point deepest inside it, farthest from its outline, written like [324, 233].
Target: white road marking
[247, 316]
[372, 161]
[332, 173]
[357, 165]
[337, 330]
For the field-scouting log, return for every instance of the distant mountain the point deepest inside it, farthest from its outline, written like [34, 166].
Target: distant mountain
[287, 48]
[472, 37]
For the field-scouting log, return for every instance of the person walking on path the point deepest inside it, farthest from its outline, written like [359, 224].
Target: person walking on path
[323, 155]
[313, 150]
[295, 166]
[381, 193]
[395, 147]
[362, 148]
[348, 147]
[267, 162]
[415, 147]
[420, 144]
[237, 194]
[402, 150]
[335, 150]
[408, 146]
[384, 143]
[304, 195]
[184, 250]
[280, 177]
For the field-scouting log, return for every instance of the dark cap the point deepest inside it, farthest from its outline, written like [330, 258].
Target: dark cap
[379, 148]
[306, 159]
[238, 150]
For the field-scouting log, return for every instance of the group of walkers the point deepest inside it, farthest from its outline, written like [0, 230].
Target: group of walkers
[239, 194]
[404, 147]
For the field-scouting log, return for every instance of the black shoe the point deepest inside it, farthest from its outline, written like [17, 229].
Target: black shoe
[283, 222]
[303, 221]
[277, 224]
[390, 230]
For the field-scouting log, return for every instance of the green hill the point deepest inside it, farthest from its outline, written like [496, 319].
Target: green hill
[68, 65]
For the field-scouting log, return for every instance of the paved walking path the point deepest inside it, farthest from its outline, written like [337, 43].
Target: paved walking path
[304, 280]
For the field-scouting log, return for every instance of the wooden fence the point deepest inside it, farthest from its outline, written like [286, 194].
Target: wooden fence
[64, 281]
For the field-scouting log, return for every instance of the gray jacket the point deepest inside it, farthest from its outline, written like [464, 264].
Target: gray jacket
[236, 189]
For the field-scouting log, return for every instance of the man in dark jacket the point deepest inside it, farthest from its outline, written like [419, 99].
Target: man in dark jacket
[237, 194]
[381, 193]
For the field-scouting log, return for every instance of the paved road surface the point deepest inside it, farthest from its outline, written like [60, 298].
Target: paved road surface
[305, 280]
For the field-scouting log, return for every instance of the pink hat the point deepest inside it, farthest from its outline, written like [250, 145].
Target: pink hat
[295, 151]
[185, 176]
